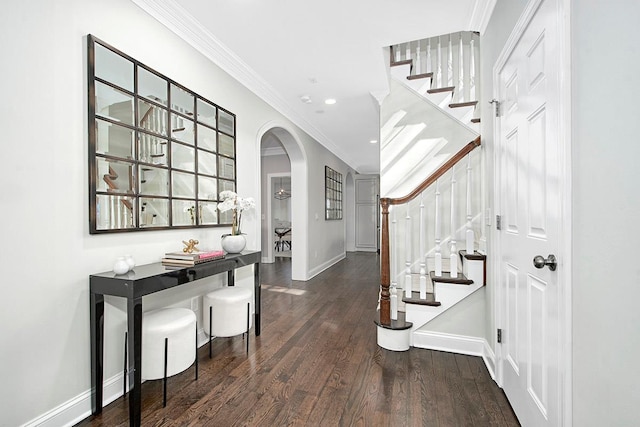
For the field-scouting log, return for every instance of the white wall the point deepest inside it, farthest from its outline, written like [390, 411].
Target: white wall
[606, 212]
[47, 250]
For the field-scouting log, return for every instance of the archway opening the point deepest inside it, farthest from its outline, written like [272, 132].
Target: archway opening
[282, 158]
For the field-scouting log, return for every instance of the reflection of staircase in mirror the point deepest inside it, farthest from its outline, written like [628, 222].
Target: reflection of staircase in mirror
[111, 180]
[152, 150]
[148, 214]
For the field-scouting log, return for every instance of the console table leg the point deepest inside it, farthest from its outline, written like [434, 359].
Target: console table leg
[257, 285]
[134, 323]
[96, 309]
[231, 277]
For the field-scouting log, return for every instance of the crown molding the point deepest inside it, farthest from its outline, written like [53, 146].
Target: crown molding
[180, 22]
[481, 14]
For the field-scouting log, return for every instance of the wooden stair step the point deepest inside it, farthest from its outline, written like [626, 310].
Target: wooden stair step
[446, 278]
[441, 89]
[475, 256]
[415, 299]
[463, 104]
[404, 62]
[476, 120]
[396, 325]
[420, 76]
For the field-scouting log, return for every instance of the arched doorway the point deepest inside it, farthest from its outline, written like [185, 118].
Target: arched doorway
[269, 137]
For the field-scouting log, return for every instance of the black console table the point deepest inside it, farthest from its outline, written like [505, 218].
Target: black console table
[145, 280]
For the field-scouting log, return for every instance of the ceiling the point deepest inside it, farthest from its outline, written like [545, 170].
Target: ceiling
[284, 50]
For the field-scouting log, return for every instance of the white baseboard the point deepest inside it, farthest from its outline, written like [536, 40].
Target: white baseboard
[489, 358]
[471, 346]
[322, 267]
[78, 408]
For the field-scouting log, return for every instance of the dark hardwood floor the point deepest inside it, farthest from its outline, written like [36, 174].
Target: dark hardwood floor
[317, 363]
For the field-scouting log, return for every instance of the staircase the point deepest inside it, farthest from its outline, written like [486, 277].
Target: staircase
[429, 129]
[443, 69]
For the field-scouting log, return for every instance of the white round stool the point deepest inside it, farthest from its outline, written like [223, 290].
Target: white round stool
[229, 311]
[169, 343]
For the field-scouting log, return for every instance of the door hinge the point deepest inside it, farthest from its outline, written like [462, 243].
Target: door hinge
[498, 222]
[497, 106]
[499, 336]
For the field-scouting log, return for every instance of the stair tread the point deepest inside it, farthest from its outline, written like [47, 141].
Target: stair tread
[476, 256]
[446, 278]
[463, 104]
[441, 89]
[404, 62]
[415, 299]
[398, 325]
[476, 120]
[420, 76]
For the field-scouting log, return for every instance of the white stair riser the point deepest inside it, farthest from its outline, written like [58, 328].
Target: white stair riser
[447, 294]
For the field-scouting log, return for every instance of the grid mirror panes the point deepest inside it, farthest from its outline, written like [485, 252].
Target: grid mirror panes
[159, 153]
[332, 194]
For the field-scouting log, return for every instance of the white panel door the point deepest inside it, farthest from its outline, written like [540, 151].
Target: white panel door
[366, 214]
[528, 140]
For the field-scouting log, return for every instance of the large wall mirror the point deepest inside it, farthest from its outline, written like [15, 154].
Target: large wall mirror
[159, 154]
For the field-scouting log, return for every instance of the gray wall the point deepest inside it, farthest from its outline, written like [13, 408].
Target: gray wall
[606, 212]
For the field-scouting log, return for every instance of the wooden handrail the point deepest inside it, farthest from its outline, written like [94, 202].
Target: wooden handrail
[385, 300]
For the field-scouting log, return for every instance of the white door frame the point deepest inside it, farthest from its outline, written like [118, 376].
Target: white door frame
[271, 241]
[565, 235]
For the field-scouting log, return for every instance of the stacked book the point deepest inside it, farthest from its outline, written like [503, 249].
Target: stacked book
[184, 259]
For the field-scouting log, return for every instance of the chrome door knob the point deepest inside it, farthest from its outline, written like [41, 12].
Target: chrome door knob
[539, 262]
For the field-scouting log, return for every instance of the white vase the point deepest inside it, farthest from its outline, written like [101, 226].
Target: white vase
[120, 266]
[234, 244]
[130, 261]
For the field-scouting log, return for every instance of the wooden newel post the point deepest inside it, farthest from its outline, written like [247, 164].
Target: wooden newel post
[385, 301]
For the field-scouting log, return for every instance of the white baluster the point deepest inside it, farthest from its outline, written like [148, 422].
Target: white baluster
[439, 64]
[423, 267]
[453, 256]
[155, 119]
[418, 60]
[461, 85]
[469, 233]
[112, 211]
[472, 71]
[438, 254]
[394, 302]
[397, 53]
[118, 211]
[394, 265]
[450, 64]
[407, 246]
[429, 67]
[407, 52]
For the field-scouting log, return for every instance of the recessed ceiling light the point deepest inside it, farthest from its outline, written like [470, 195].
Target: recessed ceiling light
[373, 141]
[330, 101]
[306, 99]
